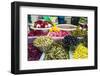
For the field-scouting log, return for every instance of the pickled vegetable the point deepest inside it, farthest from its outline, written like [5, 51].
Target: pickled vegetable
[56, 52]
[54, 29]
[61, 33]
[43, 41]
[81, 52]
[33, 53]
[79, 32]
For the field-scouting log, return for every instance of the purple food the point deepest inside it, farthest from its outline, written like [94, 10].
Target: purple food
[33, 52]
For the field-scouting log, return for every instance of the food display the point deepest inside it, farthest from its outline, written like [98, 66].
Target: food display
[37, 33]
[54, 29]
[81, 52]
[43, 41]
[56, 52]
[61, 33]
[81, 35]
[49, 39]
[70, 40]
[79, 32]
[42, 24]
[33, 52]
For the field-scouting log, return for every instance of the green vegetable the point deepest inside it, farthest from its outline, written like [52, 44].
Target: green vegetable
[56, 52]
[79, 32]
[83, 20]
[43, 42]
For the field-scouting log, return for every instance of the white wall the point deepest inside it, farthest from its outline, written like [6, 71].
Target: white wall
[5, 22]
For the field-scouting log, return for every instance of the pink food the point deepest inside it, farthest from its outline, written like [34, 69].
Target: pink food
[59, 34]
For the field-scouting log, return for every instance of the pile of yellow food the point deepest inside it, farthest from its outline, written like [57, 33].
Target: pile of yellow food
[81, 52]
[54, 29]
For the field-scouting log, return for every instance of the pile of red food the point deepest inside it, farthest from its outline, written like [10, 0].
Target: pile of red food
[37, 33]
[42, 24]
[33, 53]
[61, 33]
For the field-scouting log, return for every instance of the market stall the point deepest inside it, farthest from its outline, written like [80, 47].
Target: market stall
[55, 37]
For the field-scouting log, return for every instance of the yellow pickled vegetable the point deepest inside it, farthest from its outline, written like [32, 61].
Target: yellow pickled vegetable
[81, 52]
[54, 29]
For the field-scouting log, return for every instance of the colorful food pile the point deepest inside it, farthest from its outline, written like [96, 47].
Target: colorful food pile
[80, 52]
[54, 29]
[70, 40]
[81, 35]
[56, 52]
[43, 42]
[33, 52]
[42, 24]
[79, 32]
[55, 43]
[61, 33]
